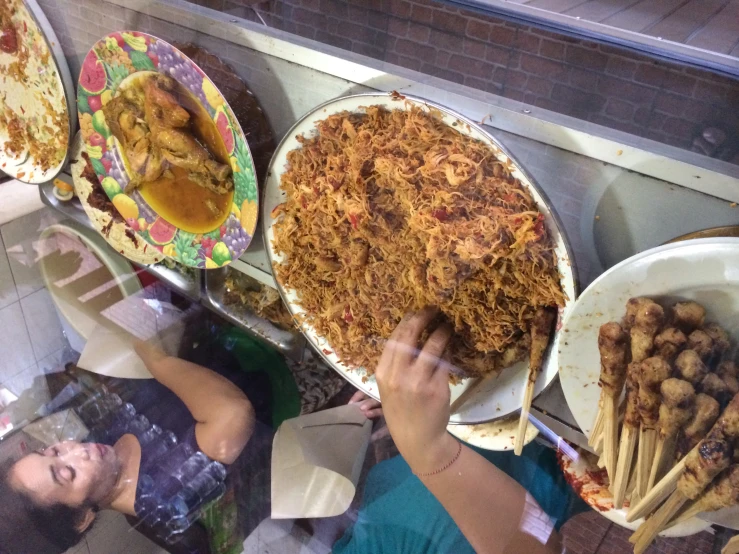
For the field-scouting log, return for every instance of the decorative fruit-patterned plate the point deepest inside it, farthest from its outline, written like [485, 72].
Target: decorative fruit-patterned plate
[36, 95]
[107, 65]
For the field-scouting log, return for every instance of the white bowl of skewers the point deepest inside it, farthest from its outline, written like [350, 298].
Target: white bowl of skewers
[647, 364]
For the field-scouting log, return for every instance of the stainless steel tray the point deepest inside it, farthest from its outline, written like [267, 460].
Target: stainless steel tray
[290, 343]
[73, 209]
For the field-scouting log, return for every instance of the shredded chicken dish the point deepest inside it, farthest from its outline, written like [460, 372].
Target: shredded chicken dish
[391, 210]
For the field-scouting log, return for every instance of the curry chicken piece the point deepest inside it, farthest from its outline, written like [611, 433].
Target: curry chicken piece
[162, 107]
[154, 130]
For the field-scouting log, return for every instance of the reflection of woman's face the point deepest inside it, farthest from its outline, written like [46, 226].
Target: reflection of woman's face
[70, 473]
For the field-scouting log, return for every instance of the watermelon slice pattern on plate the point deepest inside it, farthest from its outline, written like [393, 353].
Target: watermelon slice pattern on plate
[109, 62]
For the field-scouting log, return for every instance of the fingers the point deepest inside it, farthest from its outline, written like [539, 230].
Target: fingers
[370, 407]
[432, 351]
[357, 397]
[409, 330]
[373, 414]
[402, 346]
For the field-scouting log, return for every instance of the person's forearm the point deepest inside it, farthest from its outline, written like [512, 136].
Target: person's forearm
[489, 507]
[224, 415]
[205, 393]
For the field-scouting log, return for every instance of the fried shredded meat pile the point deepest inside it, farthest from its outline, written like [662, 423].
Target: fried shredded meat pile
[391, 210]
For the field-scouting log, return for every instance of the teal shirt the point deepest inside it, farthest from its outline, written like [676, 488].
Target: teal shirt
[400, 516]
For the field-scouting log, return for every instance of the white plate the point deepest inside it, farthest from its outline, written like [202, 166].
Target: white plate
[589, 480]
[48, 76]
[500, 396]
[493, 435]
[704, 270]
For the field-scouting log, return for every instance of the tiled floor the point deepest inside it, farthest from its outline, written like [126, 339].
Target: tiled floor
[32, 341]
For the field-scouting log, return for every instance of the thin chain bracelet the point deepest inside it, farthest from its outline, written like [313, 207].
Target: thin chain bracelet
[447, 466]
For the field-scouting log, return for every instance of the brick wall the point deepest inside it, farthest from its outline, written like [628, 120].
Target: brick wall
[609, 86]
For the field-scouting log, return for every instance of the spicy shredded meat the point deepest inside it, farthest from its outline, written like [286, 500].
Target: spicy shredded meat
[391, 210]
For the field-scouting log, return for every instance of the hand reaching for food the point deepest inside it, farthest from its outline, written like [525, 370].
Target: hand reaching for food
[414, 386]
[370, 407]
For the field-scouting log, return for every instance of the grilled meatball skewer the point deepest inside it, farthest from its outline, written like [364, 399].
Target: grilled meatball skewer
[654, 371]
[613, 347]
[648, 319]
[676, 409]
[725, 430]
[702, 465]
[706, 413]
[722, 493]
[541, 329]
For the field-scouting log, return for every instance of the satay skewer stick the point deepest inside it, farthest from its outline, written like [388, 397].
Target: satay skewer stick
[626, 449]
[653, 372]
[724, 426]
[610, 445]
[541, 328]
[676, 410]
[659, 492]
[645, 456]
[613, 349]
[649, 530]
[523, 420]
[712, 456]
[662, 455]
[629, 435]
[692, 510]
[597, 433]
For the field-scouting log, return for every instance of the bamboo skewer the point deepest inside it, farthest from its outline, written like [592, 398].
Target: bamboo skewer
[648, 319]
[596, 434]
[653, 371]
[707, 458]
[523, 419]
[645, 455]
[659, 492]
[662, 455]
[610, 445]
[629, 434]
[649, 530]
[612, 346]
[702, 465]
[541, 328]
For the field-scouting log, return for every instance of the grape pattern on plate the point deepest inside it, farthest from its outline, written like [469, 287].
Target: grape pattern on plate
[173, 64]
[234, 236]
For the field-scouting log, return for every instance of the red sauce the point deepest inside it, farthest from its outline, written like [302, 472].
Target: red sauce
[9, 40]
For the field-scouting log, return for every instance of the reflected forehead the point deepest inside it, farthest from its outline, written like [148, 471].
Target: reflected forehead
[31, 473]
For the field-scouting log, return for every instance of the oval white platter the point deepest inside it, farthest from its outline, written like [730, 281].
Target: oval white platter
[496, 398]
